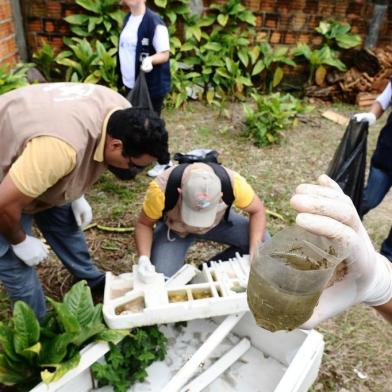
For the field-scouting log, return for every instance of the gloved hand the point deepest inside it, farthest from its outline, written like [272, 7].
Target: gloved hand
[31, 251]
[146, 270]
[325, 210]
[368, 116]
[82, 211]
[146, 64]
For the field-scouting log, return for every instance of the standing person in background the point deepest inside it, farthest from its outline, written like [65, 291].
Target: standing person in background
[380, 175]
[144, 44]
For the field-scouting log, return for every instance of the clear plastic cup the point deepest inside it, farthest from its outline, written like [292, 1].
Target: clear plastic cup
[288, 276]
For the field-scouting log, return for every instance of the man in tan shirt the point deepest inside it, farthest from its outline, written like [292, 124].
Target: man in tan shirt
[55, 141]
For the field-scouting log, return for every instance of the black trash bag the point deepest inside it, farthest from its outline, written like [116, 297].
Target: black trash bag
[348, 165]
[198, 155]
[139, 96]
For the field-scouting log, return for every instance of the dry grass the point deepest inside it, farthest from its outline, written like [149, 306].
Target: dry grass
[359, 339]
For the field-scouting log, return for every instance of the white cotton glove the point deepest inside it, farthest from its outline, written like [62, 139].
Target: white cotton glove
[145, 271]
[325, 210]
[31, 251]
[146, 64]
[82, 211]
[369, 117]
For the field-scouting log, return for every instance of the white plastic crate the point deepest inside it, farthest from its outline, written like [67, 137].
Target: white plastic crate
[219, 289]
[278, 362]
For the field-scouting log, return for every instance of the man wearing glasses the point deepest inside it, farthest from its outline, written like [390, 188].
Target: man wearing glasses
[55, 141]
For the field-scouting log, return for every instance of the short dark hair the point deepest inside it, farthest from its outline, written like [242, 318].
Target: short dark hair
[141, 131]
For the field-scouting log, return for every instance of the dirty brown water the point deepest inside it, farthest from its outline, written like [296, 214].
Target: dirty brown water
[277, 309]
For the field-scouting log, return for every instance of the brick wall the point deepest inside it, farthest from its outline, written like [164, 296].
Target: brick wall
[291, 21]
[278, 21]
[8, 48]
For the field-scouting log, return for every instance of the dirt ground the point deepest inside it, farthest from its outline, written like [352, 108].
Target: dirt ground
[358, 349]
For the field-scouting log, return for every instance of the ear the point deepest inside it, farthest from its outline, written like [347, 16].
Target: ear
[179, 190]
[115, 144]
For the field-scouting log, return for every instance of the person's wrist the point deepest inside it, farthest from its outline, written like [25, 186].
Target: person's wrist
[379, 291]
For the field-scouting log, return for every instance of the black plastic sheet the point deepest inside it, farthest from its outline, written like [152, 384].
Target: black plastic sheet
[348, 165]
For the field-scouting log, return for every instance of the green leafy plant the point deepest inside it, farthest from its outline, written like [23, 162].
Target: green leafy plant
[336, 33]
[10, 79]
[270, 62]
[32, 352]
[102, 21]
[272, 114]
[126, 363]
[89, 63]
[318, 60]
[45, 60]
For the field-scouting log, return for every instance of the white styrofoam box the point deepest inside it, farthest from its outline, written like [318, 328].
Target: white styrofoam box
[219, 289]
[276, 362]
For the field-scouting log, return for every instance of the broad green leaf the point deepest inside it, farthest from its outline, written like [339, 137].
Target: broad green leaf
[76, 19]
[66, 318]
[55, 349]
[243, 56]
[278, 76]
[35, 349]
[60, 369]
[112, 335]
[254, 54]
[11, 374]
[187, 46]
[348, 41]
[214, 46]
[118, 16]
[323, 28]
[80, 302]
[90, 5]
[94, 327]
[161, 3]
[223, 19]
[244, 80]
[79, 31]
[258, 67]
[7, 342]
[27, 329]
[248, 18]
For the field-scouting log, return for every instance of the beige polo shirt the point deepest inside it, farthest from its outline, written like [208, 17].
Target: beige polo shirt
[44, 161]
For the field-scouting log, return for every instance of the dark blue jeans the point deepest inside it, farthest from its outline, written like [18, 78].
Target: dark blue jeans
[378, 185]
[61, 232]
[169, 250]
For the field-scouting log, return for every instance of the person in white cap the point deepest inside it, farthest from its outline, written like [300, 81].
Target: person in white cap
[325, 210]
[200, 213]
[380, 175]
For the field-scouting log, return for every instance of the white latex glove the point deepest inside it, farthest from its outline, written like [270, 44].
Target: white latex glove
[368, 116]
[146, 64]
[145, 271]
[31, 251]
[82, 211]
[325, 210]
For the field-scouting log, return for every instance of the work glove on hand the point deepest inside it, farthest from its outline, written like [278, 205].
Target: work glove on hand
[82, 211]
[146, 65]
[145, 270]
[369, 117]
[31, 251]
[325, 210]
